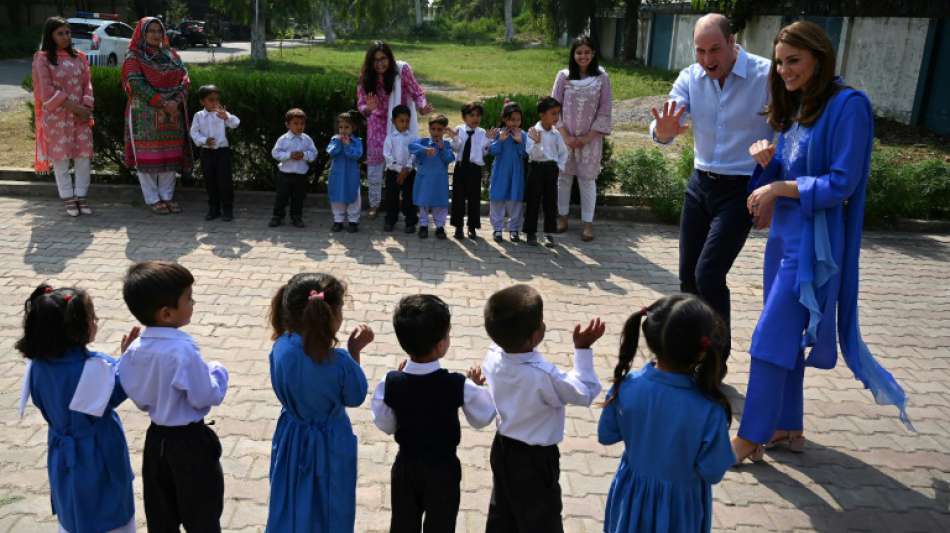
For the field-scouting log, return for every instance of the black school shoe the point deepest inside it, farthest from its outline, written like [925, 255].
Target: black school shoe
[274, 222]
[498, 236]
[515, 237]
[440, 233]
[549, 241]
[298, 223]
[353, 227]
[411, 228]
[228, 214]
[472, 234]
[459, 234]
[212, 214]
[532, 239]
[337, 226]
[423, 232]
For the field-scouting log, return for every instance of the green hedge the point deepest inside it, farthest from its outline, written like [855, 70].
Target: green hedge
[896, 189]
[258, 98]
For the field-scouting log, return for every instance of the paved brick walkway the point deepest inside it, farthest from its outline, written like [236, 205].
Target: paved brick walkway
[861, 470]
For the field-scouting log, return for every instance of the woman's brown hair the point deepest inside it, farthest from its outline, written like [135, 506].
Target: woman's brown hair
[803, 106]
[309, 304]
[48, 45]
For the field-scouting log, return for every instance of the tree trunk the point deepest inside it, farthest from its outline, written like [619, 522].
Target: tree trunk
[329, 34]
[509, 24]
[418, 13]
[258, 34]
[631, 38]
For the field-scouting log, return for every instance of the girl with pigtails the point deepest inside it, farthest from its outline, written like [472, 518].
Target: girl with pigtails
[672, 419]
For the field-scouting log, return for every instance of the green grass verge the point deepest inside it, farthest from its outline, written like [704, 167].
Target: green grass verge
[479, 69]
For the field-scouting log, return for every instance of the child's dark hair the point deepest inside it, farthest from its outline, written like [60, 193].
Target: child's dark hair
[679, 330]
[309, 304]
[510, 108]
[294, 113]
[512, 316]
[401, 110]
[151, 285]
[548, 103]
[48, 45]
[473, 107]
[573, 69]
[439, 118]
[55, 320]
[207, 90]
[421, 321]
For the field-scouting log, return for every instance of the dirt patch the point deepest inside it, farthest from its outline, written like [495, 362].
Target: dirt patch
[636, 111]
[16, 138]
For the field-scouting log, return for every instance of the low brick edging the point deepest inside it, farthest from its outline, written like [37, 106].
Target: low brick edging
[25, 182]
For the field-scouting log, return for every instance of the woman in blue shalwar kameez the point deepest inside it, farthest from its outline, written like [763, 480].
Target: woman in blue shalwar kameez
[814, 183]
[313, 456]
[77, 391]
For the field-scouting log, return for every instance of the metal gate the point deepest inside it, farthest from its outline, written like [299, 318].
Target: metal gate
[661, 40]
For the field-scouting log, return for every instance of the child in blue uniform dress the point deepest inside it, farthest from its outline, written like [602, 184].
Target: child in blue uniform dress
[345, 150]
[431, 190]
[313, 456]
[77, 391]
[672, 419]
[506, 190]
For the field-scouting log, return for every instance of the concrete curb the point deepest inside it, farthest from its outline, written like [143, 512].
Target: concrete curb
[25, 182]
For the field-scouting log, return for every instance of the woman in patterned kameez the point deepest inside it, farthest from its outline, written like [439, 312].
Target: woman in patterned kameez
[385, 83]
[156, 122]
[586, 102]
[62, 92]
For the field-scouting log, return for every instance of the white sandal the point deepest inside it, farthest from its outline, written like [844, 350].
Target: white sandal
[72, 207]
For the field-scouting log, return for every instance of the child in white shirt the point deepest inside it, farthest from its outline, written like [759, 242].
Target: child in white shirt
[546, 159]
[470, 144]
[208, 131]
[530, 394]
[400, 174]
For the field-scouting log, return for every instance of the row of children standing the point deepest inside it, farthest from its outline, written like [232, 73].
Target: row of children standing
[670, 414]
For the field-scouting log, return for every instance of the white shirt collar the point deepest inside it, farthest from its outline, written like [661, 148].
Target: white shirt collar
[402, 133]
[161, 332]
[421, 368]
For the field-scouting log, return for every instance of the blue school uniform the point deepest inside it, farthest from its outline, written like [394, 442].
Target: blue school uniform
[507, 171]
[90, 475]
[313, 456]
[431, 188]
[676, 446]
[344, 182]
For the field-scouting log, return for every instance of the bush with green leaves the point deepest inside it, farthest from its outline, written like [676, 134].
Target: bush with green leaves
[656, 181]
[897, 188]
[258, 98]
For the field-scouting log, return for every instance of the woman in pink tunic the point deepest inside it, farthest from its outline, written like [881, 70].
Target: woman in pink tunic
[62, 92]
[385, 83]
[586, 102]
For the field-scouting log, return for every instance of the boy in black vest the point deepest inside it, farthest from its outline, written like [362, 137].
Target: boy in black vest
[419, 403]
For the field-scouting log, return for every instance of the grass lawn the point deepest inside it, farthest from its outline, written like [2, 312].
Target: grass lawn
[472, 70]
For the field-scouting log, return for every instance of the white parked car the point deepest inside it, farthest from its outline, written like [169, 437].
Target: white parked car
[101, 37]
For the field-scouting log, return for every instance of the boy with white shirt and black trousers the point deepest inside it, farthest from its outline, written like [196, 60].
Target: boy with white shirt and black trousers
[470, 144]
[400, 174]
[530, 394]
[294, 152]
[208, 131]
[163, 373]
[419, 403]
[546, 159]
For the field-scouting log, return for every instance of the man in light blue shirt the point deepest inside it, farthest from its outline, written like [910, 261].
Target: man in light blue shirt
[724, 92]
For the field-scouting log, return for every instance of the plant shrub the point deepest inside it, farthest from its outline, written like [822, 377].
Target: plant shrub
[258, 98]
[654, 180]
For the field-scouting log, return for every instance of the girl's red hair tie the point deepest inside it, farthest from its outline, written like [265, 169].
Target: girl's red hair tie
[644, 311]
[67, 298]
[47, 290]
[704, 343]
[314, 295]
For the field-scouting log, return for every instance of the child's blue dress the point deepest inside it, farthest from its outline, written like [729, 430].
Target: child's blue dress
[676, 447]
[90, 475]
[507, 171]
[431, 188]
[313, 456]
[344, 182]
